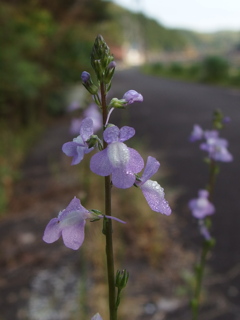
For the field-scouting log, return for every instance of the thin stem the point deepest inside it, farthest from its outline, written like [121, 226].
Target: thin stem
[206, 247]
[212, 178]
[107, 227]
[199, 277]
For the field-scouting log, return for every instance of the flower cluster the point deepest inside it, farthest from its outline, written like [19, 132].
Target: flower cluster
[112, 158]
[216, 147]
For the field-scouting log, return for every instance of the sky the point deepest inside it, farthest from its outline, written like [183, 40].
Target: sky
[197, 15]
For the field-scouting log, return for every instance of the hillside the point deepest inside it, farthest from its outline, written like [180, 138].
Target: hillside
[220, 42]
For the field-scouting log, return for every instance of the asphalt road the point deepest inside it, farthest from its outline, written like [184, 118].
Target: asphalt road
[164, 121]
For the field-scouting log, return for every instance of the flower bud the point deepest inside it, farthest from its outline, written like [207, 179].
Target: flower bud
[100, 57]
[109, 71]
[85, 76]
[88, 83]
[121, 279]
[112, 65]
[132, 96]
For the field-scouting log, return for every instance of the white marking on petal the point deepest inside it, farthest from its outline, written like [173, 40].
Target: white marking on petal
[118, 154]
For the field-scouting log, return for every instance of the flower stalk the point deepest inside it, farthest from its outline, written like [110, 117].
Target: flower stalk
[107, 223]
[202, 207]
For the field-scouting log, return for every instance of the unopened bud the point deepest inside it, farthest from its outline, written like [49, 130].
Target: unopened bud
[121, 279]
[132, 96]
[88, 83]
[85, 76]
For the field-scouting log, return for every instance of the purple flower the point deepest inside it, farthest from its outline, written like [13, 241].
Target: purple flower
[152, 191]
[197, 133]
[97, 317]
[132, 96]
[201, 207]
[217, 149]
[117, 159]
[92, 112]
[78, 147]
[69, 224]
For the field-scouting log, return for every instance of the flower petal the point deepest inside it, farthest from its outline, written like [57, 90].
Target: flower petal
[136, 162]
[86, 128]
[70, 149]
[97, 317]
[52, 231]
[154, 194]
[73, 236]
[126, 133]
[197, 133]
[74, 205]
[100, 164]
[123, 179]
[111, 134]
[118, 154]
[132, 96]
[150, 169]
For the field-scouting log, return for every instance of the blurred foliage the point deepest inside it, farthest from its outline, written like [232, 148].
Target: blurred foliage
[211, 69]
[39, 56]
[216, 43]
[44, 47]
[214, 69]
[145, 33]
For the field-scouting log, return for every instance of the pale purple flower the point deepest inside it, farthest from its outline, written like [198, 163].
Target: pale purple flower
[152, 191]
[132, 96]
[70, 225]
[197, 133]
[92, 111]
[97, 317]
[117, 159]
[78, 147]
[201, 207]
[217, 149]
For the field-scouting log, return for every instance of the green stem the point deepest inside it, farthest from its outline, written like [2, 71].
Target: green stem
[199, 277]
[107, 227]
[212, 178]
[206, 247]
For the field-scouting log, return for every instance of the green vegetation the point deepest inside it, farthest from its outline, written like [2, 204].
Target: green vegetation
[44, 48]
[211, 69]
[216, 43]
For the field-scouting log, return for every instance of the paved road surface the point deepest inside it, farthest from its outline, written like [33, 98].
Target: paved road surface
[165, 120]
